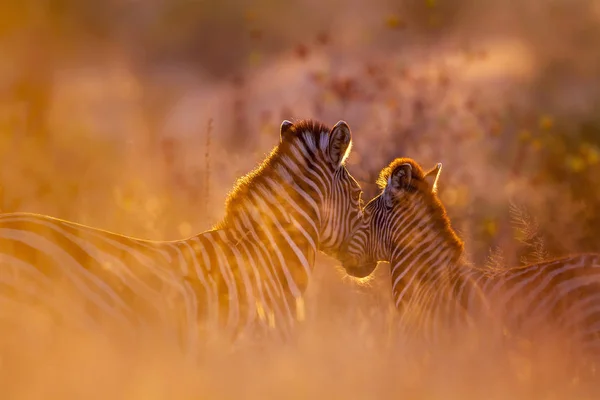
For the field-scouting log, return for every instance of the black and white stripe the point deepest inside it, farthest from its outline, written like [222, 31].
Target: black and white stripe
[248, 273]
[435, 289]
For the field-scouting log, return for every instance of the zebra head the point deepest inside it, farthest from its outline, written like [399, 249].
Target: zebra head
[393, 217]
[336, 194]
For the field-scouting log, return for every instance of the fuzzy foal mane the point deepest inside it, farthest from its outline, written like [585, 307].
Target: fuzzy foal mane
[246, 183]
[421, 187]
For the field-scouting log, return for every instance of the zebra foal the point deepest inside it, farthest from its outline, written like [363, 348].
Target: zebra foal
[247, 274]
[435, 289]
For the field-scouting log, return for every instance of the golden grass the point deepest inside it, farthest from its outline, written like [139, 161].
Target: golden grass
[98, 167]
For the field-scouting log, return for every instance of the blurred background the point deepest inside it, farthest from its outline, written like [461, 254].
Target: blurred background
[138, 116]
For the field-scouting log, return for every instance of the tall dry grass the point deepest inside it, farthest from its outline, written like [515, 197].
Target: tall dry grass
[347, 349]
[105, 121]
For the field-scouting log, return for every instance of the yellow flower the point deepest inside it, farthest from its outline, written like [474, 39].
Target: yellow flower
[254, 58]
[394, 22]
[536, 144]
[524, 135]
[575, 163]
[546, 122]
[491, 227]
[590, 153]
[250, 16]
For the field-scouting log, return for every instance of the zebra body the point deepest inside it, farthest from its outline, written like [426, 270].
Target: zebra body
[248, 273]
[88, 278]
[436, 290]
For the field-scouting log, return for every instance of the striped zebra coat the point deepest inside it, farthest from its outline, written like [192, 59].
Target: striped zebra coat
[434, 289]
[246, 274]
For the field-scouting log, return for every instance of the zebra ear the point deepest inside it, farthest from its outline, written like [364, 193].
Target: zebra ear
[340, 143]
[399, 180]
[285, 130]
[435, 172]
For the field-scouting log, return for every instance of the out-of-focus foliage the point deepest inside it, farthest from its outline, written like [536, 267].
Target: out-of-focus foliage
[104, 113]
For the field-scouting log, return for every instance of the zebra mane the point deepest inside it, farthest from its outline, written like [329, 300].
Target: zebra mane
[419, 185]
[309, 133]
[309, 125]
[418, 174]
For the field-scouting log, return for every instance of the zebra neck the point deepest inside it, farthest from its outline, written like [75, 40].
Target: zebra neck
[424, 273]
[282, 222]
[276, 208]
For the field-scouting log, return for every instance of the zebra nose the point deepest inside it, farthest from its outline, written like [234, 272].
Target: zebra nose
[357, 268]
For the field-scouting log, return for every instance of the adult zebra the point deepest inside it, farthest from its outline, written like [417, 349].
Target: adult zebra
[435, 290]
[249, 272]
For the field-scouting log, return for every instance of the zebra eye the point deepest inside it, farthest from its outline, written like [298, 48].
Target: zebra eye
[358, 195]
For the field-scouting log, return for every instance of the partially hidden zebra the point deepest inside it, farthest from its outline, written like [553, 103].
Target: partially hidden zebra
[247, 274]
[435, 290]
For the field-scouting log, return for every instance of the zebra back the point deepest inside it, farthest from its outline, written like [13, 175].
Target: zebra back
[249, 271]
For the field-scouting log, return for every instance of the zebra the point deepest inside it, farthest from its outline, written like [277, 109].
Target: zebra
[246, 275]
[436, 290]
